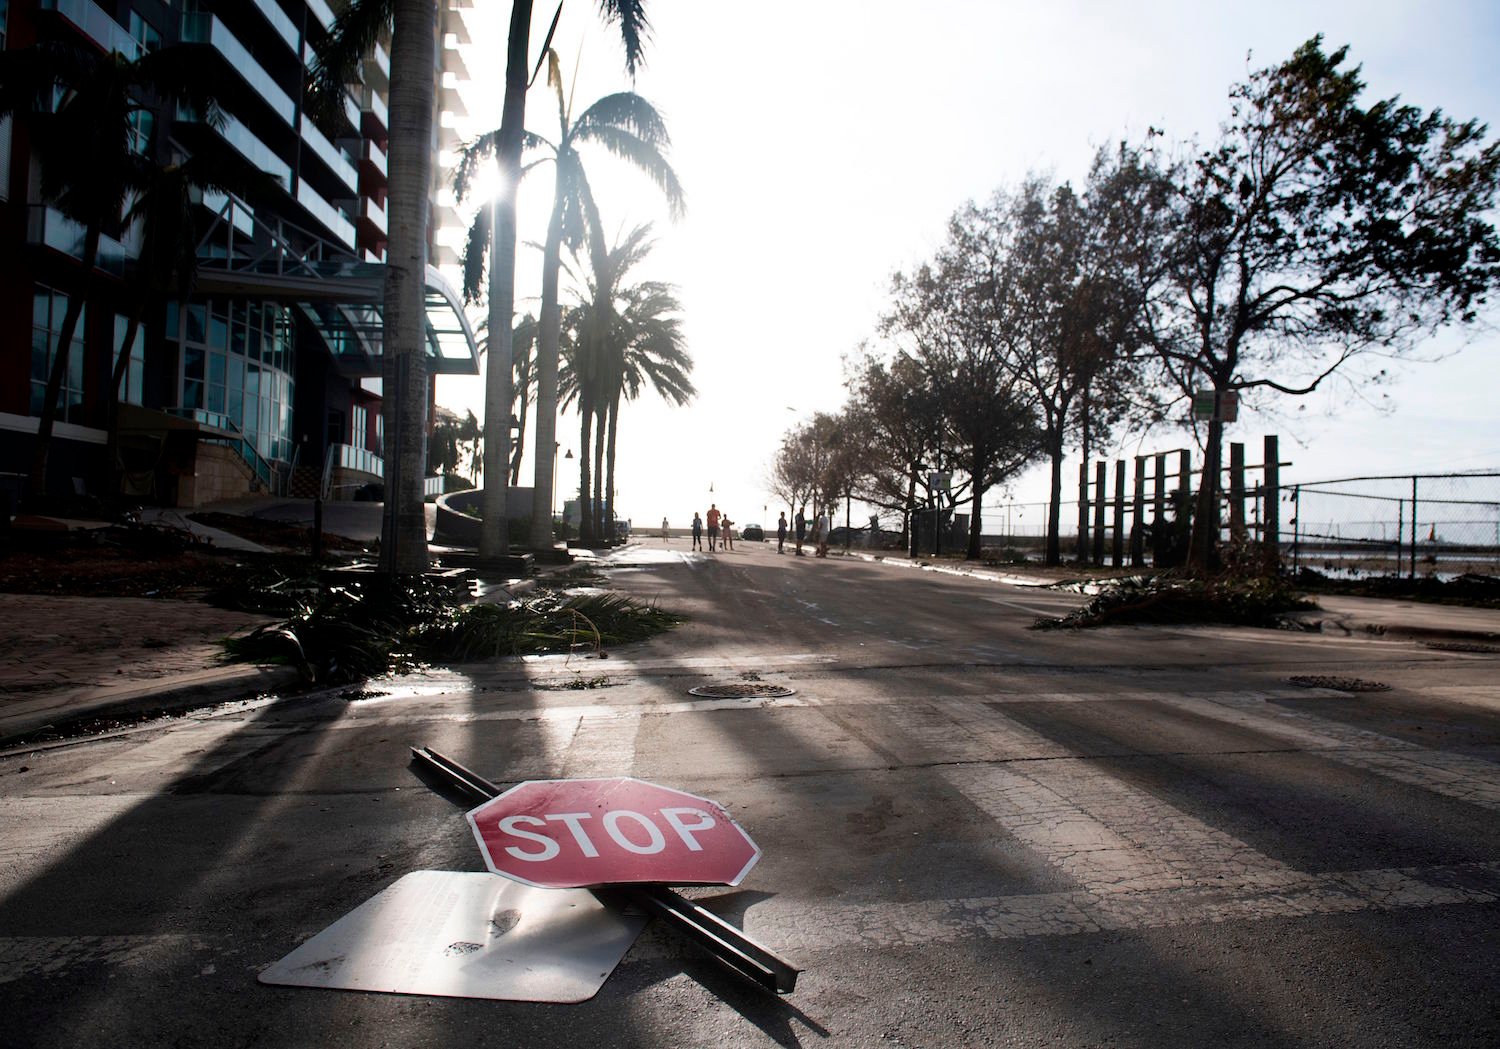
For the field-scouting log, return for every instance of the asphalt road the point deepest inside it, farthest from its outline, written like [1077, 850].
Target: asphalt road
[974, 833]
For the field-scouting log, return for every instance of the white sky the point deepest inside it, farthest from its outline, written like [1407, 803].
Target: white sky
[824, 143]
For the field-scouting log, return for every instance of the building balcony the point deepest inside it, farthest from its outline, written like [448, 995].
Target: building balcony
[322, 12]
[375, 114]
[453, 59]
[372, 221]
[373, 164]
[49, 228]
[332, 219]
[246, 144]
[201, 27]
[284, 26]
[97, 25]
[337, 161]
[378, 68]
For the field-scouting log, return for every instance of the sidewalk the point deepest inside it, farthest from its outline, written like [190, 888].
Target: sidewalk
[66, 658]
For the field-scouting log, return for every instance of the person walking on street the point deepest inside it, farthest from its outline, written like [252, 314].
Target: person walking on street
[664, 527]
[824, 527]
[781, 533]
[726, 533]
[713, 526]
[697, 531]
[801, 527]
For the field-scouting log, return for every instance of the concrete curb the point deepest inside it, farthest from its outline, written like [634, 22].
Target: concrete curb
[60, 710]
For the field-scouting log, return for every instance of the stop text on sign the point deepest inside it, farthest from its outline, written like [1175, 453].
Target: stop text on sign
[639, 834]
[582, 832]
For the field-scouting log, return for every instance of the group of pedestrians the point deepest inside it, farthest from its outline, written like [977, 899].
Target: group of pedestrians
[720, 530]
[819, 536]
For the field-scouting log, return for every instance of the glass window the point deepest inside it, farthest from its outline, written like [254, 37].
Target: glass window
[132, 383]
[359, 419]
[196, 320]
[142, 121]
[218, 332]
[48, 309]
[144, 33]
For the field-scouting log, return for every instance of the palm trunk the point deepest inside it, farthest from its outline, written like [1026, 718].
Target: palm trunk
[494, 538]
[548, 338]
[403, 548]
[609, 467]
[585, 504]
[494, 535]
[36, 480]
[520, 448]
[599, 525]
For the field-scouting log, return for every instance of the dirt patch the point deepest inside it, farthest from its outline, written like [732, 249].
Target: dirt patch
[124, 561]
[279, 534]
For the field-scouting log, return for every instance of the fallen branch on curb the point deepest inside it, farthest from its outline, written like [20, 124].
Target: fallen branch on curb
[1159, 600]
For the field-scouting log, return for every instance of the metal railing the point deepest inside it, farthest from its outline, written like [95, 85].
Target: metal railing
[362, 460]
[275, 475]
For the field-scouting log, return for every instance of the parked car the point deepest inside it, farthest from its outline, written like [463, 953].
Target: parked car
[753, 533]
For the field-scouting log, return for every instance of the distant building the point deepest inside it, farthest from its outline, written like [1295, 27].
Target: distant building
[268, 378]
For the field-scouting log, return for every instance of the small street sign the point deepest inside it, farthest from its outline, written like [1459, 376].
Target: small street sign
[1229, 405]
[587, 832]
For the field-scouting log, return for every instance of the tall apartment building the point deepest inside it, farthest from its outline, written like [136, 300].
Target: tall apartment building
[267, 377]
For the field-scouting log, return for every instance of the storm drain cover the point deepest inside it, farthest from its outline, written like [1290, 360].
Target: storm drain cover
[746, 690]
[1339, 684]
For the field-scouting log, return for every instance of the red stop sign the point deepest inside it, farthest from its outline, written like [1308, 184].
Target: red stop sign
[573, 833]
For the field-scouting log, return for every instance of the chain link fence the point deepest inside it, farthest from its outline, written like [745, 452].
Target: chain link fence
[1442, 525]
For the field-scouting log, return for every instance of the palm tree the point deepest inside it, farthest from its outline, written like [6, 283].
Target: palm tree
[626, 125]
[631, 17]
[81, 108]
[624, 339]
[647, 352]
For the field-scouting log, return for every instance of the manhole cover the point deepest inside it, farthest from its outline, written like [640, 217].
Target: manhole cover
[1339, 684]
[755, 690]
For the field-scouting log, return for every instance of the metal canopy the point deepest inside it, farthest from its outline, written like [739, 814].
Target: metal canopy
[342, 301]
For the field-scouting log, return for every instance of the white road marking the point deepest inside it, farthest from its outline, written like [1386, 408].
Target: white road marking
[1106, 835]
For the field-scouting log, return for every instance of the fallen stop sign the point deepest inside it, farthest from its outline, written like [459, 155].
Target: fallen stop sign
[574, 833]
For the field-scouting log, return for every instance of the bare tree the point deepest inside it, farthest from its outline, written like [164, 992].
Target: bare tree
[1313, 236]
[959, 319]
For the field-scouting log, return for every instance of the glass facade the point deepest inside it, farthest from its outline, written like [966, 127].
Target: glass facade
[47, 310]
[236, 363]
